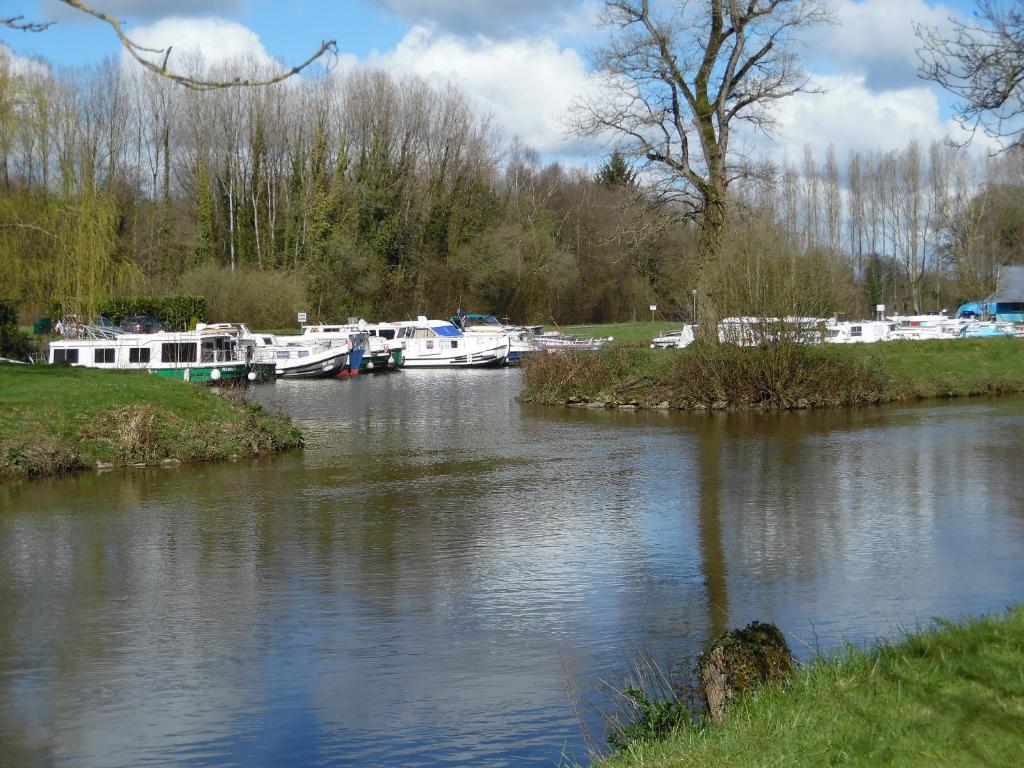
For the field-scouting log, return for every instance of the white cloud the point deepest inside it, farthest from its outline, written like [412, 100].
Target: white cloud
[482, 16]
[875, 38]
[213, 40]
[528, 85]
[852, 117]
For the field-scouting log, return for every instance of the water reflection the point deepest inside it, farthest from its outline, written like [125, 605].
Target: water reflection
[417, 586]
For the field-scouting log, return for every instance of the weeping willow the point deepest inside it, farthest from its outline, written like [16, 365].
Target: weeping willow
[87, 266]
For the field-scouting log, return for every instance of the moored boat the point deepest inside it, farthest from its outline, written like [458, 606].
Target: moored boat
[373, 353]
[205, 356]
[521, 337]
[556, 341]
[439, 344]
[293, 357]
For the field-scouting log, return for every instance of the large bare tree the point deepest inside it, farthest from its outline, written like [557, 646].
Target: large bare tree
[982, 63]
[679, 80]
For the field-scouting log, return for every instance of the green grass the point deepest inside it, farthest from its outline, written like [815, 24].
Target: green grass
[782, 377]
[949, 696]
[56, 419]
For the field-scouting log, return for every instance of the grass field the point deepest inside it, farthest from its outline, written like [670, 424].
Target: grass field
[950, 696]
[56, 419]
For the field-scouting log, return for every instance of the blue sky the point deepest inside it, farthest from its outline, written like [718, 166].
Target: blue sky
[524, 61]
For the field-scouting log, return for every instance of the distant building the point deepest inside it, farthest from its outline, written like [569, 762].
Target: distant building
[1006, 304]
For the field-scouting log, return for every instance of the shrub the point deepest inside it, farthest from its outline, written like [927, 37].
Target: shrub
[14, 344]
[263, 299]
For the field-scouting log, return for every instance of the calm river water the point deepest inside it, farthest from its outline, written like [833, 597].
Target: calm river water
[429, 580]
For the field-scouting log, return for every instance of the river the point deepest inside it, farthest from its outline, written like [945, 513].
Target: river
[443, 570]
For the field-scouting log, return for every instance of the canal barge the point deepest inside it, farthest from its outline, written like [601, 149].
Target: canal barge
[206, 356]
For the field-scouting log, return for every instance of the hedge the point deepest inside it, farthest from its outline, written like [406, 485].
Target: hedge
[177, 312]
[13, 343]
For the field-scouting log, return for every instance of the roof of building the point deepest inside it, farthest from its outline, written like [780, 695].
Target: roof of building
[1011, 286]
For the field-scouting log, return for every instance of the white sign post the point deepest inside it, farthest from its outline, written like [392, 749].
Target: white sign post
[654, 308]
[880, 309]
[302, 318]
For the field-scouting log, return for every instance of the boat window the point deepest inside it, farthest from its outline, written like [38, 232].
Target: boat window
[268, 340]
[282, 354]
[455, 345]
[69, 356]
[104, 355]
[138, 355]
[422, 333]
[447, 330]
[386, 334]
[430, 344]
[856, 330]
[831, 333]
[178, 353]
[403, 333]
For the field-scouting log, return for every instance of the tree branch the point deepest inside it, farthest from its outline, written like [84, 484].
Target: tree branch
[136, 51]
[19, 23]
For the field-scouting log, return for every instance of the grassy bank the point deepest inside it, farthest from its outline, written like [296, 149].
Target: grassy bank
[950, 696]
[787, 376]
[56, 419]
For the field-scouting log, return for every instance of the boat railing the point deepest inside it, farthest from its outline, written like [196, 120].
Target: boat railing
[71, 328]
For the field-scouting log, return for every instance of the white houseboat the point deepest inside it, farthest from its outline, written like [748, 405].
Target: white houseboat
[439, 344]
[206, 356]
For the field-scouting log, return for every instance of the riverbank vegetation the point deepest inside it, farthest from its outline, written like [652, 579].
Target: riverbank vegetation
[113, 181]
[58, 419]
[950, 695]
[780, 376]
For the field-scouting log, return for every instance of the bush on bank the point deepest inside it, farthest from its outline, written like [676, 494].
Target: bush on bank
[55, 420]
[781, 376]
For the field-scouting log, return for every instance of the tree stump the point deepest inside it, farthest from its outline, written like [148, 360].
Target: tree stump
[741, 660]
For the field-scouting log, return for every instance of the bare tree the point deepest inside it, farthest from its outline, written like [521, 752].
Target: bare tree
[982, 63]
[678, 83]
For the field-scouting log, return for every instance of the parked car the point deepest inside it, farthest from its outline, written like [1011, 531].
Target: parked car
[142, 324]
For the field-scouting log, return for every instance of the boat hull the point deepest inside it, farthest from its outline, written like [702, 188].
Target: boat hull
[378, 363]
[204, 374]
[319, 368]
[478, 360]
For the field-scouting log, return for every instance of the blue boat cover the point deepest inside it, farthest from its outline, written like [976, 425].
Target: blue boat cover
[447, 330]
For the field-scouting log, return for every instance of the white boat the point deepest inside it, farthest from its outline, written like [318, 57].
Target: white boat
[439, 344]
[204, 355]
[557, 341]
[925, 327]
[293, 357]
[865, 332]
[757, 331]
[984, 329]
[522, 338]
[675, 340]
[378, 354]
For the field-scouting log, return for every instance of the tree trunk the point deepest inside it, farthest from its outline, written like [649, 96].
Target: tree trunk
[709, 249]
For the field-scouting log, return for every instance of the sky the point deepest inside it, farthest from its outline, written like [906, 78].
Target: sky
[526, 61]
